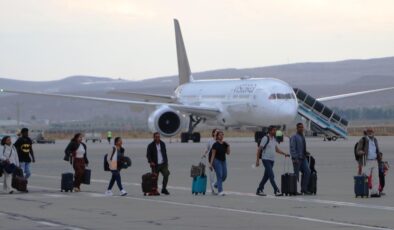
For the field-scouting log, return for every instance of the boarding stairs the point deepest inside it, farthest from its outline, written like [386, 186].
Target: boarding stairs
[321, 118]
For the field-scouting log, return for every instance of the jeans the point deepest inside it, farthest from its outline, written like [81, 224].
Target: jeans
[115, 177]
[25, 166]
[221, 173]
[303, 166]
[268, 174]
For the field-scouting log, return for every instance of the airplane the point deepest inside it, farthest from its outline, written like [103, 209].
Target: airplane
[257, 102]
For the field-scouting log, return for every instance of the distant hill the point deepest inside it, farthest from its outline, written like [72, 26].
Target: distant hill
[319, 79]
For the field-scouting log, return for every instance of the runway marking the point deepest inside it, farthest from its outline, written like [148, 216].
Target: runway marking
[242, 211]
[299, 199]
[339, 223]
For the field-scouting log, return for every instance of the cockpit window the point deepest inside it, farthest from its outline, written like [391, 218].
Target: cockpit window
[281, 96]
[272, 96]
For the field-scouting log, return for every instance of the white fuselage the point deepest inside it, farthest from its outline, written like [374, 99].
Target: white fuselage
[250, 102]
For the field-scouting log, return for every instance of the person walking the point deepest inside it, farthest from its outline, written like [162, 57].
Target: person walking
[368, 149]
[109, 137]
[76, 150]
[24, 147]
[114, 166]
[266, 152]
[156, 154]
[218, 160]
[207, 156]
[10, 158]
[298, 154]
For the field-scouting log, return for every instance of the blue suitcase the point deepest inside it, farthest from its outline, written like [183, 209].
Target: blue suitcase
[361, 186]
[199, 184]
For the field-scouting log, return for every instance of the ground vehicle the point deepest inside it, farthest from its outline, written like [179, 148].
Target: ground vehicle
[93, 136]
[40, 139]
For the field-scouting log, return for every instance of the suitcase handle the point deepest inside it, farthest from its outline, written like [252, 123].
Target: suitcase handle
[288, 164]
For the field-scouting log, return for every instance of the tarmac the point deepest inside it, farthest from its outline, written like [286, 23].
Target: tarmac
[334, 206]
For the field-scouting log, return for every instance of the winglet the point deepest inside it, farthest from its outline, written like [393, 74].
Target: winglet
[184, 71]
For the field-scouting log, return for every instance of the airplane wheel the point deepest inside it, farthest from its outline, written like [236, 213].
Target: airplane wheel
[196, 137]
[184, 137]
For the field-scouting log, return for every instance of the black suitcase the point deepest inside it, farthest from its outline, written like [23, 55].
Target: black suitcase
[312, 186]
[361, 186]
[86, 176]
[149, 184]
[19, 183]
[288, 180]
[289, 184]
[67, 183]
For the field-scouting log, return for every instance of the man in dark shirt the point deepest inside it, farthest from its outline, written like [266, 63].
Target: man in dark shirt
[298, 154]
[157, 158]
[24, 146]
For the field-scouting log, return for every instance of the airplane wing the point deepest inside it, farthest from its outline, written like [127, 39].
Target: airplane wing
[144, 96]
[196, 110]
[341, 96]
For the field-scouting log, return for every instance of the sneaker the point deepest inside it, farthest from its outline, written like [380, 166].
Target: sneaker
[278, 193]
[108, 193]
[214, 193]
[306, 193]
[375, 195]
[11, 192]
[123, 192]
[77, 190]
[222, 194]
[260, 193]
[165, 191]
[213, 186]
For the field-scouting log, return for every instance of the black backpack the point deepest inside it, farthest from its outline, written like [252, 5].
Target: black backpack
[264, 147]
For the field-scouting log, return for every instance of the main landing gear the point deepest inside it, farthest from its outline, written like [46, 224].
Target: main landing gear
[195, 137]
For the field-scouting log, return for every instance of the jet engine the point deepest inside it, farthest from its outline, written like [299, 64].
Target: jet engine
[166, 121]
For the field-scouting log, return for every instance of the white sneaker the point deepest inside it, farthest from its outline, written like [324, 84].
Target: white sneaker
[123, 192]
[108, 193]
[222, 194]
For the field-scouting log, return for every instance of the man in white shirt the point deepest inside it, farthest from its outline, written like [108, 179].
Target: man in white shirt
[266, 152]
[368, 149]
[157, 158]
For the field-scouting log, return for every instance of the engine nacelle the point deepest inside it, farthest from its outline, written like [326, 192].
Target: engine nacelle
[166, 121]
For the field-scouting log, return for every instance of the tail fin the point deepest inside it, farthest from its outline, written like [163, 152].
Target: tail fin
[184, 72]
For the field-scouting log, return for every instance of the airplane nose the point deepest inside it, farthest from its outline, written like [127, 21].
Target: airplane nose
[287, 112]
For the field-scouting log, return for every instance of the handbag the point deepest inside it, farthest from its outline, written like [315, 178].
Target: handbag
[197, 170]
[8, 167]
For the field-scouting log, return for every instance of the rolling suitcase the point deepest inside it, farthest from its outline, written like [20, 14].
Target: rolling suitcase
[288, 182]
[361, 186]
[19, 183]
[67, 182]
[149, 184]
[312, 185]
[86, 176]
[199, 185]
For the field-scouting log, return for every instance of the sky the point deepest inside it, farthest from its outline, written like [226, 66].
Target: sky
[44, 40]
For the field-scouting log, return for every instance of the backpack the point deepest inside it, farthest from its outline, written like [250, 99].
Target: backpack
[264, 147]
[106, 165]
[356, 155]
